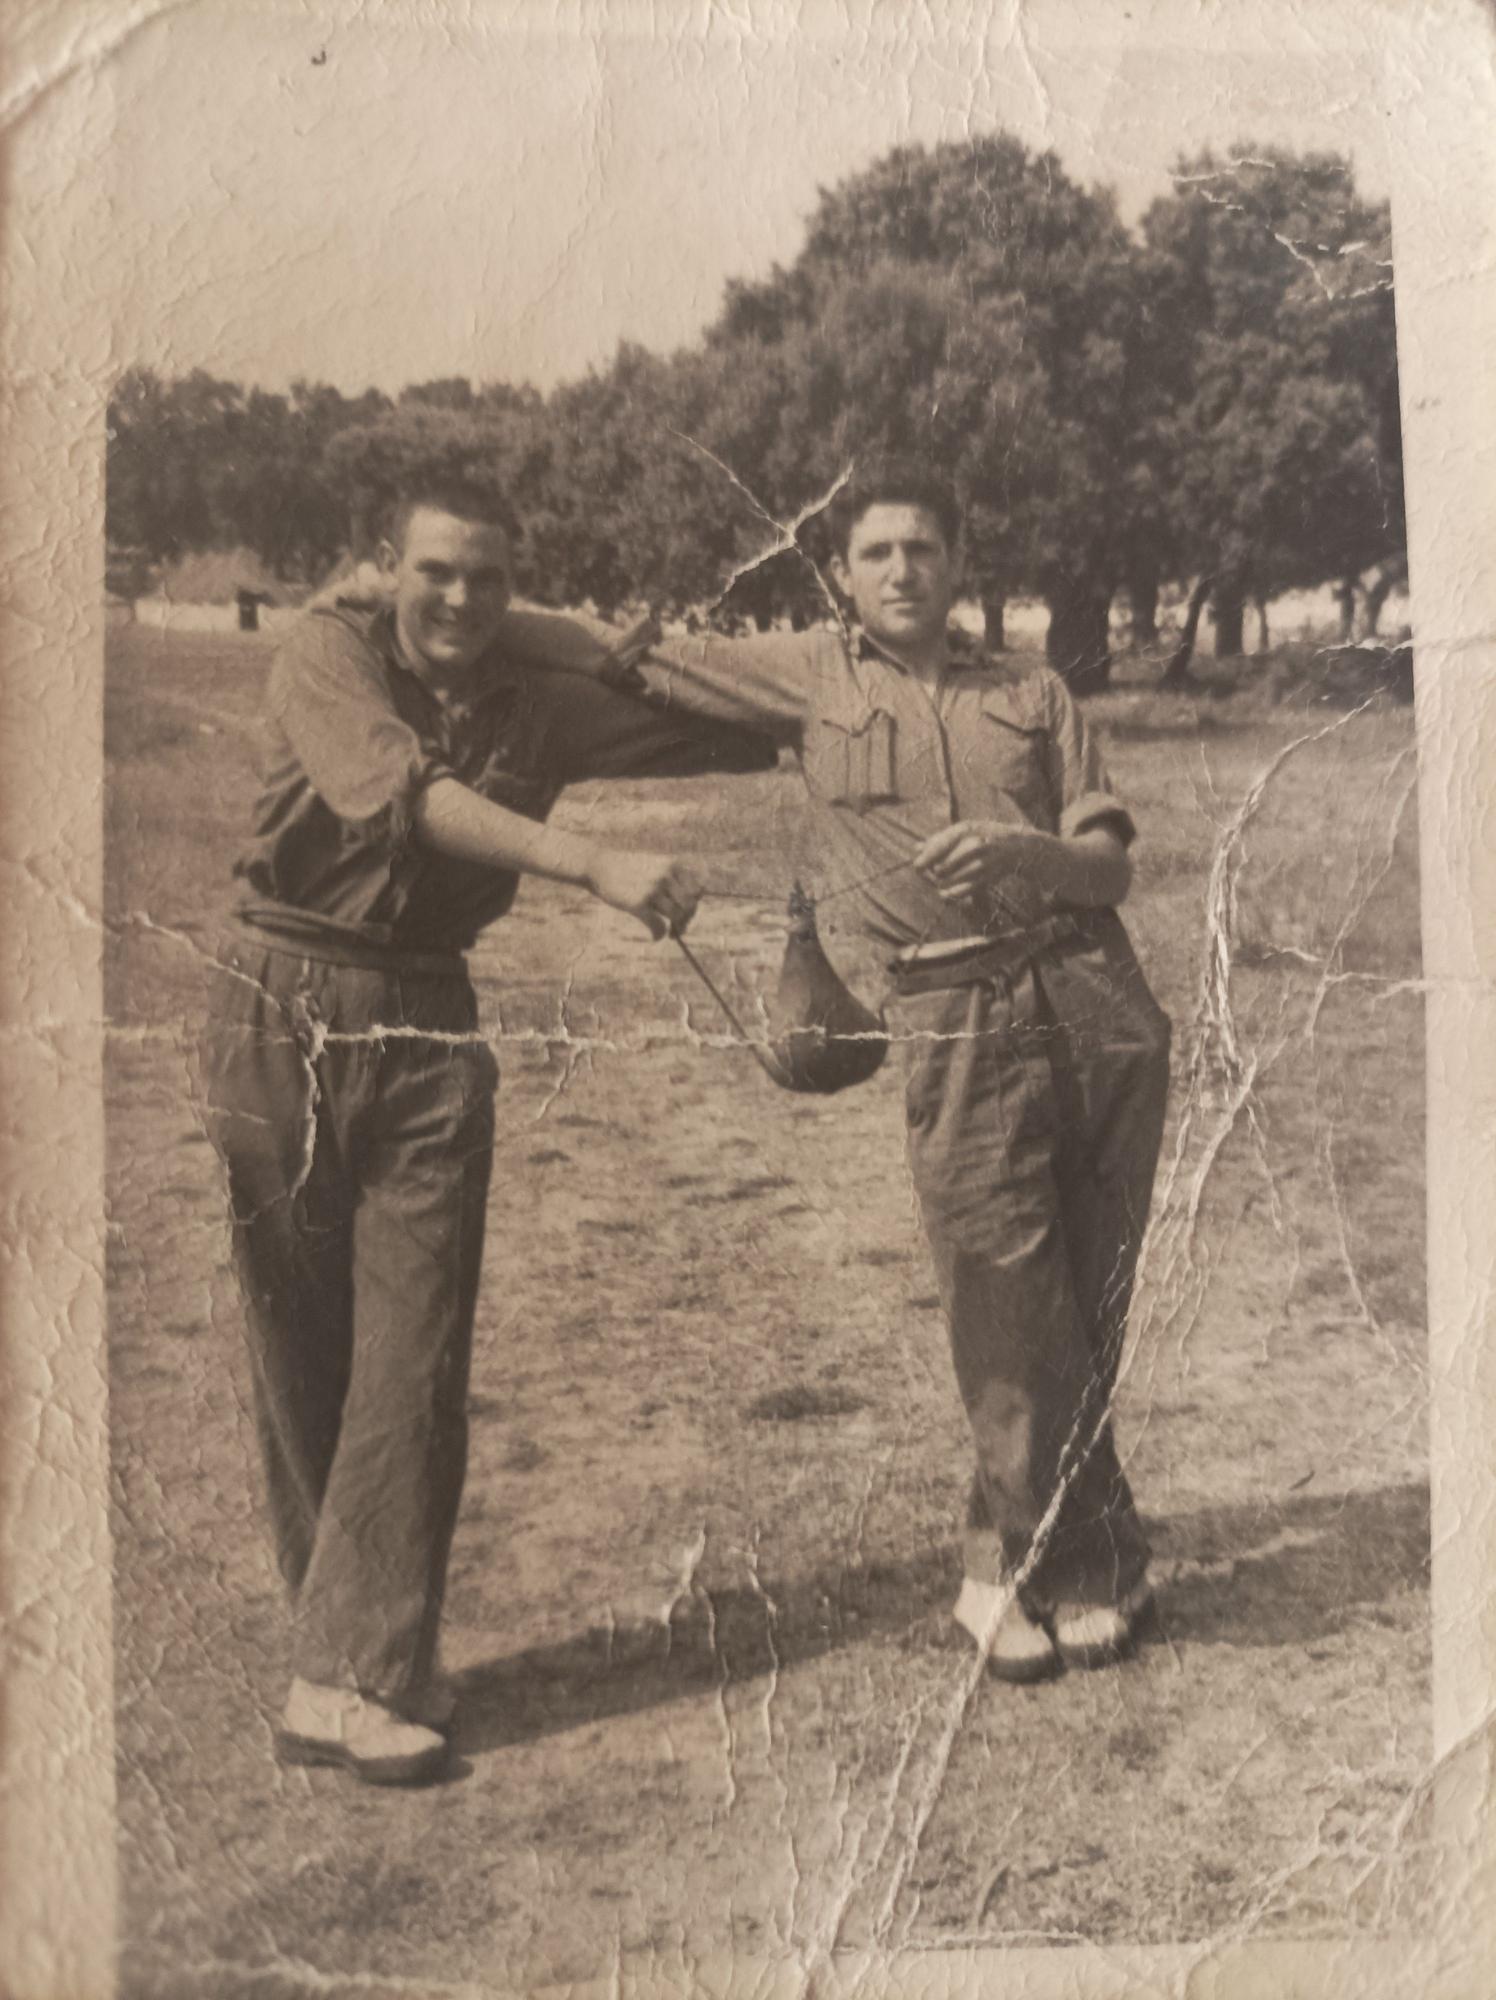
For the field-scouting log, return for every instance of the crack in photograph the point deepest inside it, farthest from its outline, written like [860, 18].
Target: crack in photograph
[764, 1005]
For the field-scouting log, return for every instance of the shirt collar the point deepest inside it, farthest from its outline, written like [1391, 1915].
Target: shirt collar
[962, 651]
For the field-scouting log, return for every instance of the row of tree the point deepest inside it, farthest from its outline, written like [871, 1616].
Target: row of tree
[1209, 403]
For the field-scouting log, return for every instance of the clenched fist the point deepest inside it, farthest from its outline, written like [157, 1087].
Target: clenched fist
[662, 893]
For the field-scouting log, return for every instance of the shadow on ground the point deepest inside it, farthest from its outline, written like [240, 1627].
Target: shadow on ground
[1279, 1575]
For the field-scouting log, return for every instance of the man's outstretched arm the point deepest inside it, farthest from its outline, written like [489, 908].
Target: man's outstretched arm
[762, 683]
[660, 892]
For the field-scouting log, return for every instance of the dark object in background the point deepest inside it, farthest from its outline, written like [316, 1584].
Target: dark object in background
[249, 602]
[821, 1037]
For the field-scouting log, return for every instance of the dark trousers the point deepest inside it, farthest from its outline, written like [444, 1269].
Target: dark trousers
[1035, 1115]
[353, 1110]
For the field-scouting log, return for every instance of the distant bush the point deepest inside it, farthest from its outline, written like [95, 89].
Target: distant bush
[212, 576]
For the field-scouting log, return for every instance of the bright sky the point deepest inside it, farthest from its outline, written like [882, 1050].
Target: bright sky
[385, 194]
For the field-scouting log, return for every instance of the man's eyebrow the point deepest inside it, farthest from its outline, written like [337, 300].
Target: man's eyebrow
[435, 566]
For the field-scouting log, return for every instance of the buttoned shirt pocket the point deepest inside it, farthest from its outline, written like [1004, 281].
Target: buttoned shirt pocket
[850, 757]
[1014, 754]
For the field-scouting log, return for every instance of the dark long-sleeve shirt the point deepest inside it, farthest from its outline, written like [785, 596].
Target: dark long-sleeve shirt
[889, 761]
[333, 864]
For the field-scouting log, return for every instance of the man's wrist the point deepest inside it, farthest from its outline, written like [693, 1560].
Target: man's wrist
[567, 857]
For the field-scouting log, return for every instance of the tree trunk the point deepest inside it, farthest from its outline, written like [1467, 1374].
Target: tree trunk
[993, 636]
[1345, 596]
[1078, 642]
[1264, 637]
[1376, 599]
[1177, 672]
[1230, 611]
[1142, 598]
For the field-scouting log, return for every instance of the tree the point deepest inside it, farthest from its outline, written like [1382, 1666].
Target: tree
[166, 446]
[199, 463]
[1281, 456]
[972, 302]
[450, 392]
[366, 464]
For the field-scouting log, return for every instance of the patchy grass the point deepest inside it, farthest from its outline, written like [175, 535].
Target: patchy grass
[802, 1403]
[698, 1602]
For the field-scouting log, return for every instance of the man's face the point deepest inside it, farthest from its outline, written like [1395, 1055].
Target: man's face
[451, 582]
[899, 574]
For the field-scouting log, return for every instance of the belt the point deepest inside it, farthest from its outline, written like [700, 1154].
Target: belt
[333, 948]
[991, 959]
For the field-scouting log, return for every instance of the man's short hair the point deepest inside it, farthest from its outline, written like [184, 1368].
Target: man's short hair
[893, 482]
[457, 493]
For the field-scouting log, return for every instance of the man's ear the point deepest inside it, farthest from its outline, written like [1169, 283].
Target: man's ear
[841, 576]
[387, 556]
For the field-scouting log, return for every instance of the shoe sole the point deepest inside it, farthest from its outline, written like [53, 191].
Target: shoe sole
[1024, 1673]
[420, 1769]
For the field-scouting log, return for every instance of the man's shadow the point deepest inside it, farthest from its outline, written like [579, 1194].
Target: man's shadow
[1287, 1572]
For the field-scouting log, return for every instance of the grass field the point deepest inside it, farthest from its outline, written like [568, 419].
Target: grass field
[699, 1589]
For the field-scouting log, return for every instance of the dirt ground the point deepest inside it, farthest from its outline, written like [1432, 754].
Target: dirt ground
[700, 1589]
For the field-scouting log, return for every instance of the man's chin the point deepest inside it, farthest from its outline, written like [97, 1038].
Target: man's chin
[914, 631]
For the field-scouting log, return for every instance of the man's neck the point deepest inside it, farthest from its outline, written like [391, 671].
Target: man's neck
[925, 663]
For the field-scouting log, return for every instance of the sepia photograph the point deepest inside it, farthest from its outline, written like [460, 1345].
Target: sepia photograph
[764, 1000]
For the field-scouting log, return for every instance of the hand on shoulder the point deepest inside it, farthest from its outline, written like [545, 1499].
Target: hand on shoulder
[360, 588]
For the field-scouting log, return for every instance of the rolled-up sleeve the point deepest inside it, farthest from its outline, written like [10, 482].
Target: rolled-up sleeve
[330, 694]
[1081, 788]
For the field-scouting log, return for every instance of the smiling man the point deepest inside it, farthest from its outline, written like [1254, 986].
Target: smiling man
[960, 804]
[416, 745]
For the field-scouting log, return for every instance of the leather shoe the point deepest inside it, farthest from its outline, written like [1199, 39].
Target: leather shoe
[331, 1725]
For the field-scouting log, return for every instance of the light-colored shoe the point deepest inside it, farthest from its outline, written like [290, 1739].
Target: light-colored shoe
[1017, 1648]
[330, 1725]
[1099, 1635]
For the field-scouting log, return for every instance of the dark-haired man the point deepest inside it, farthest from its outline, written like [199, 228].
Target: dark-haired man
[415, 749]
[965, 797]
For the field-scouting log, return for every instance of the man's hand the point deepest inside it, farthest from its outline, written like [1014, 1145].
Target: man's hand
[983, 854]
[619, 665]
[1089, 869]
[628, 650]
[660, 892]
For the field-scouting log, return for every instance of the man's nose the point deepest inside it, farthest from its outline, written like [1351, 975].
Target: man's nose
[457, 593]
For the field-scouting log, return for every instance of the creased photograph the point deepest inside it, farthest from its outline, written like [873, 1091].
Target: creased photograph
[773, 720]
